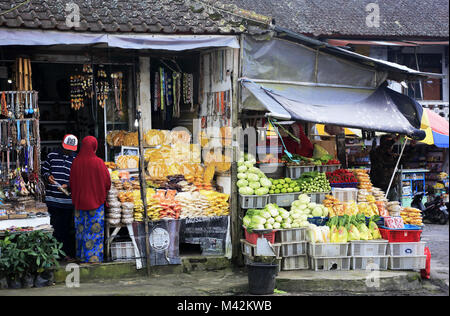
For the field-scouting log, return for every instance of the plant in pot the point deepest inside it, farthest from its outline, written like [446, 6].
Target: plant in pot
[44, 253]
[4, 262]
[13, 263]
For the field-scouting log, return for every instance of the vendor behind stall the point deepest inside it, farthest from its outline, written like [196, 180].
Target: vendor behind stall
[56, 171]
[296, 141]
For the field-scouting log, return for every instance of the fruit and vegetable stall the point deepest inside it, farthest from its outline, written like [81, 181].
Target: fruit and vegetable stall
[325, 220]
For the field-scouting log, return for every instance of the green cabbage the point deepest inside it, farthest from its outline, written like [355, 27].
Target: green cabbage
[258, 220]
[265, 214]
[246, 191]
[268, 226]
[246, 220]
[265, 182]
[283, 213]
[254, 185]
[317, 211]
[278, 219]
[242, 175]
[251, 177]
[304, 198]
[242, 169]
[276, 225]
[248, 164]
[261, 191]
[242, 183]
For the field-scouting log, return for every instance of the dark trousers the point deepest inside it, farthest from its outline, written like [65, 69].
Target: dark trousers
[62, 220]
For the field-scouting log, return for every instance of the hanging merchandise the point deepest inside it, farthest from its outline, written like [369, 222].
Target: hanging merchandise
[188, 87]
[118, 92]
[87, 78]
[102, 87]
[76, 92]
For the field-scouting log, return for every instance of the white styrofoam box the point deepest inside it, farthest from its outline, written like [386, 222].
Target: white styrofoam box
[330, 263]
[406, 248]
[407, 263]
[295, 263]
[370, 263]
[294, 249]
[290, 235]
[345, 194]
[367, 248]
[328, 249]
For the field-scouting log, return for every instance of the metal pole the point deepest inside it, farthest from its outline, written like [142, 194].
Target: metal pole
[396, 167]
[143, 186]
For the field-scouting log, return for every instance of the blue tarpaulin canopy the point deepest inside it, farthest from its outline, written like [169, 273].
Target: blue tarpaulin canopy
[379, 109]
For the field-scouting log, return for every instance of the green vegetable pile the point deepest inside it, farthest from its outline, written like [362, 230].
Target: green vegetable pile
[313, 182]
[286, 185]
[306, 209]
[252, 181]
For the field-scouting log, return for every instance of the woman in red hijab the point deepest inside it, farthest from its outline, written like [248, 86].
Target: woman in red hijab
[90, 182]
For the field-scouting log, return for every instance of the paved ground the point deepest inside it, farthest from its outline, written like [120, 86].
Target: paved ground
[437, 238]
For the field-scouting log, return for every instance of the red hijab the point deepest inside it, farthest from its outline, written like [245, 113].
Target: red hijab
[89, 178]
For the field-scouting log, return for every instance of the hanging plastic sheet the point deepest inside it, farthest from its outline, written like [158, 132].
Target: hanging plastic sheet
[379, 109]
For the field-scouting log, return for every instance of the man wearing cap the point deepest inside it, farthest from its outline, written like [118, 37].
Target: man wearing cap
[56, 172]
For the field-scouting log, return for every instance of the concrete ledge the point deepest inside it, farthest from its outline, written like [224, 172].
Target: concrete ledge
[348, 281]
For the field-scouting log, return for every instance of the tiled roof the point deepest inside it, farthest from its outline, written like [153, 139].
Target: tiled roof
[136, 16]
[347, 18]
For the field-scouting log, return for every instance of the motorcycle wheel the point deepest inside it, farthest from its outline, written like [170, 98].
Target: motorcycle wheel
[443, 219]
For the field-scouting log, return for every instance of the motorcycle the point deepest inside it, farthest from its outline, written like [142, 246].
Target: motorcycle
[435, 211]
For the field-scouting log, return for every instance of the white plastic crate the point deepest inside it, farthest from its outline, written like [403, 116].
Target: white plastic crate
[367, 248]
[318, 197]
[327, 168]
[290, 235]
[249, 249]
[345, 194]
[370, 263]
[330, 263]
[294, 249]
[294, 172]
[407, 263]
[253, 201]
[398, 249]
[328, 249]
[284, 199]
[295, 263]
[122, 251]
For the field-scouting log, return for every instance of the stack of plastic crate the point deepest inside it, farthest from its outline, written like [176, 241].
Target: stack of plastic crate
[329, 256]
[407, 255]
[369, 255]
[293, 250]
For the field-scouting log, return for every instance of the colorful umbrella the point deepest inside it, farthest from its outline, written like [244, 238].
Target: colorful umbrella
[436, 129]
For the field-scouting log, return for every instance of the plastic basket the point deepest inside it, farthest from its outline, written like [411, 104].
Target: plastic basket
[327, 168]
[249, 249]
[318, 197]
[318, 221]
[295, 263]
[294, 249]
[283, 200]
[344, 185]
[272, 170]
[121, 251]
[400, 235]
[331, 264]
[253, 201]
[407, 263]
[345, 194]
[290, 235]
[370, 263]
[294, 172]
[253, 237]
[328, 249]
[369, 248]
[406, 249]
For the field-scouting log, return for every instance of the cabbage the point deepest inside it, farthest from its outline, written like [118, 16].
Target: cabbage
[241, 162]
[304, 198]
[246, 220]
[258, 220]
[248, 164]
[312, 205]
[286, 225]
[271, 220]
[242, 169]
[278, 219]
[261, 191]
[303, 218]
[251, 177]
[246, 191]
[295, 225]
[254, 185]
[265, 214]
[252, 211]
[242, 183]
[317, 211]
[276, 225]
[242, 175]
[325, 211]
[295, 215]
[273, 209]
[283, 213]
[265, 182]
[268, 226]
[287, 220]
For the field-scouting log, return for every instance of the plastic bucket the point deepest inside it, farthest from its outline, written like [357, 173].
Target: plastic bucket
[261, 278]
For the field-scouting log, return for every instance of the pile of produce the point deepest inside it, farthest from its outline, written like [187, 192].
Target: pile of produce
[252, 181]
[304, 207]
[271, 217]
[313, 182]
[342, 229]
[412, 216]
[341, 176]
[286, 185]
[335, 207]
[170, 207]
[298, 160]
[193, 204]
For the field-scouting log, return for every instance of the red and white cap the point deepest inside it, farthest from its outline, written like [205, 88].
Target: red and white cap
[70, 142]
